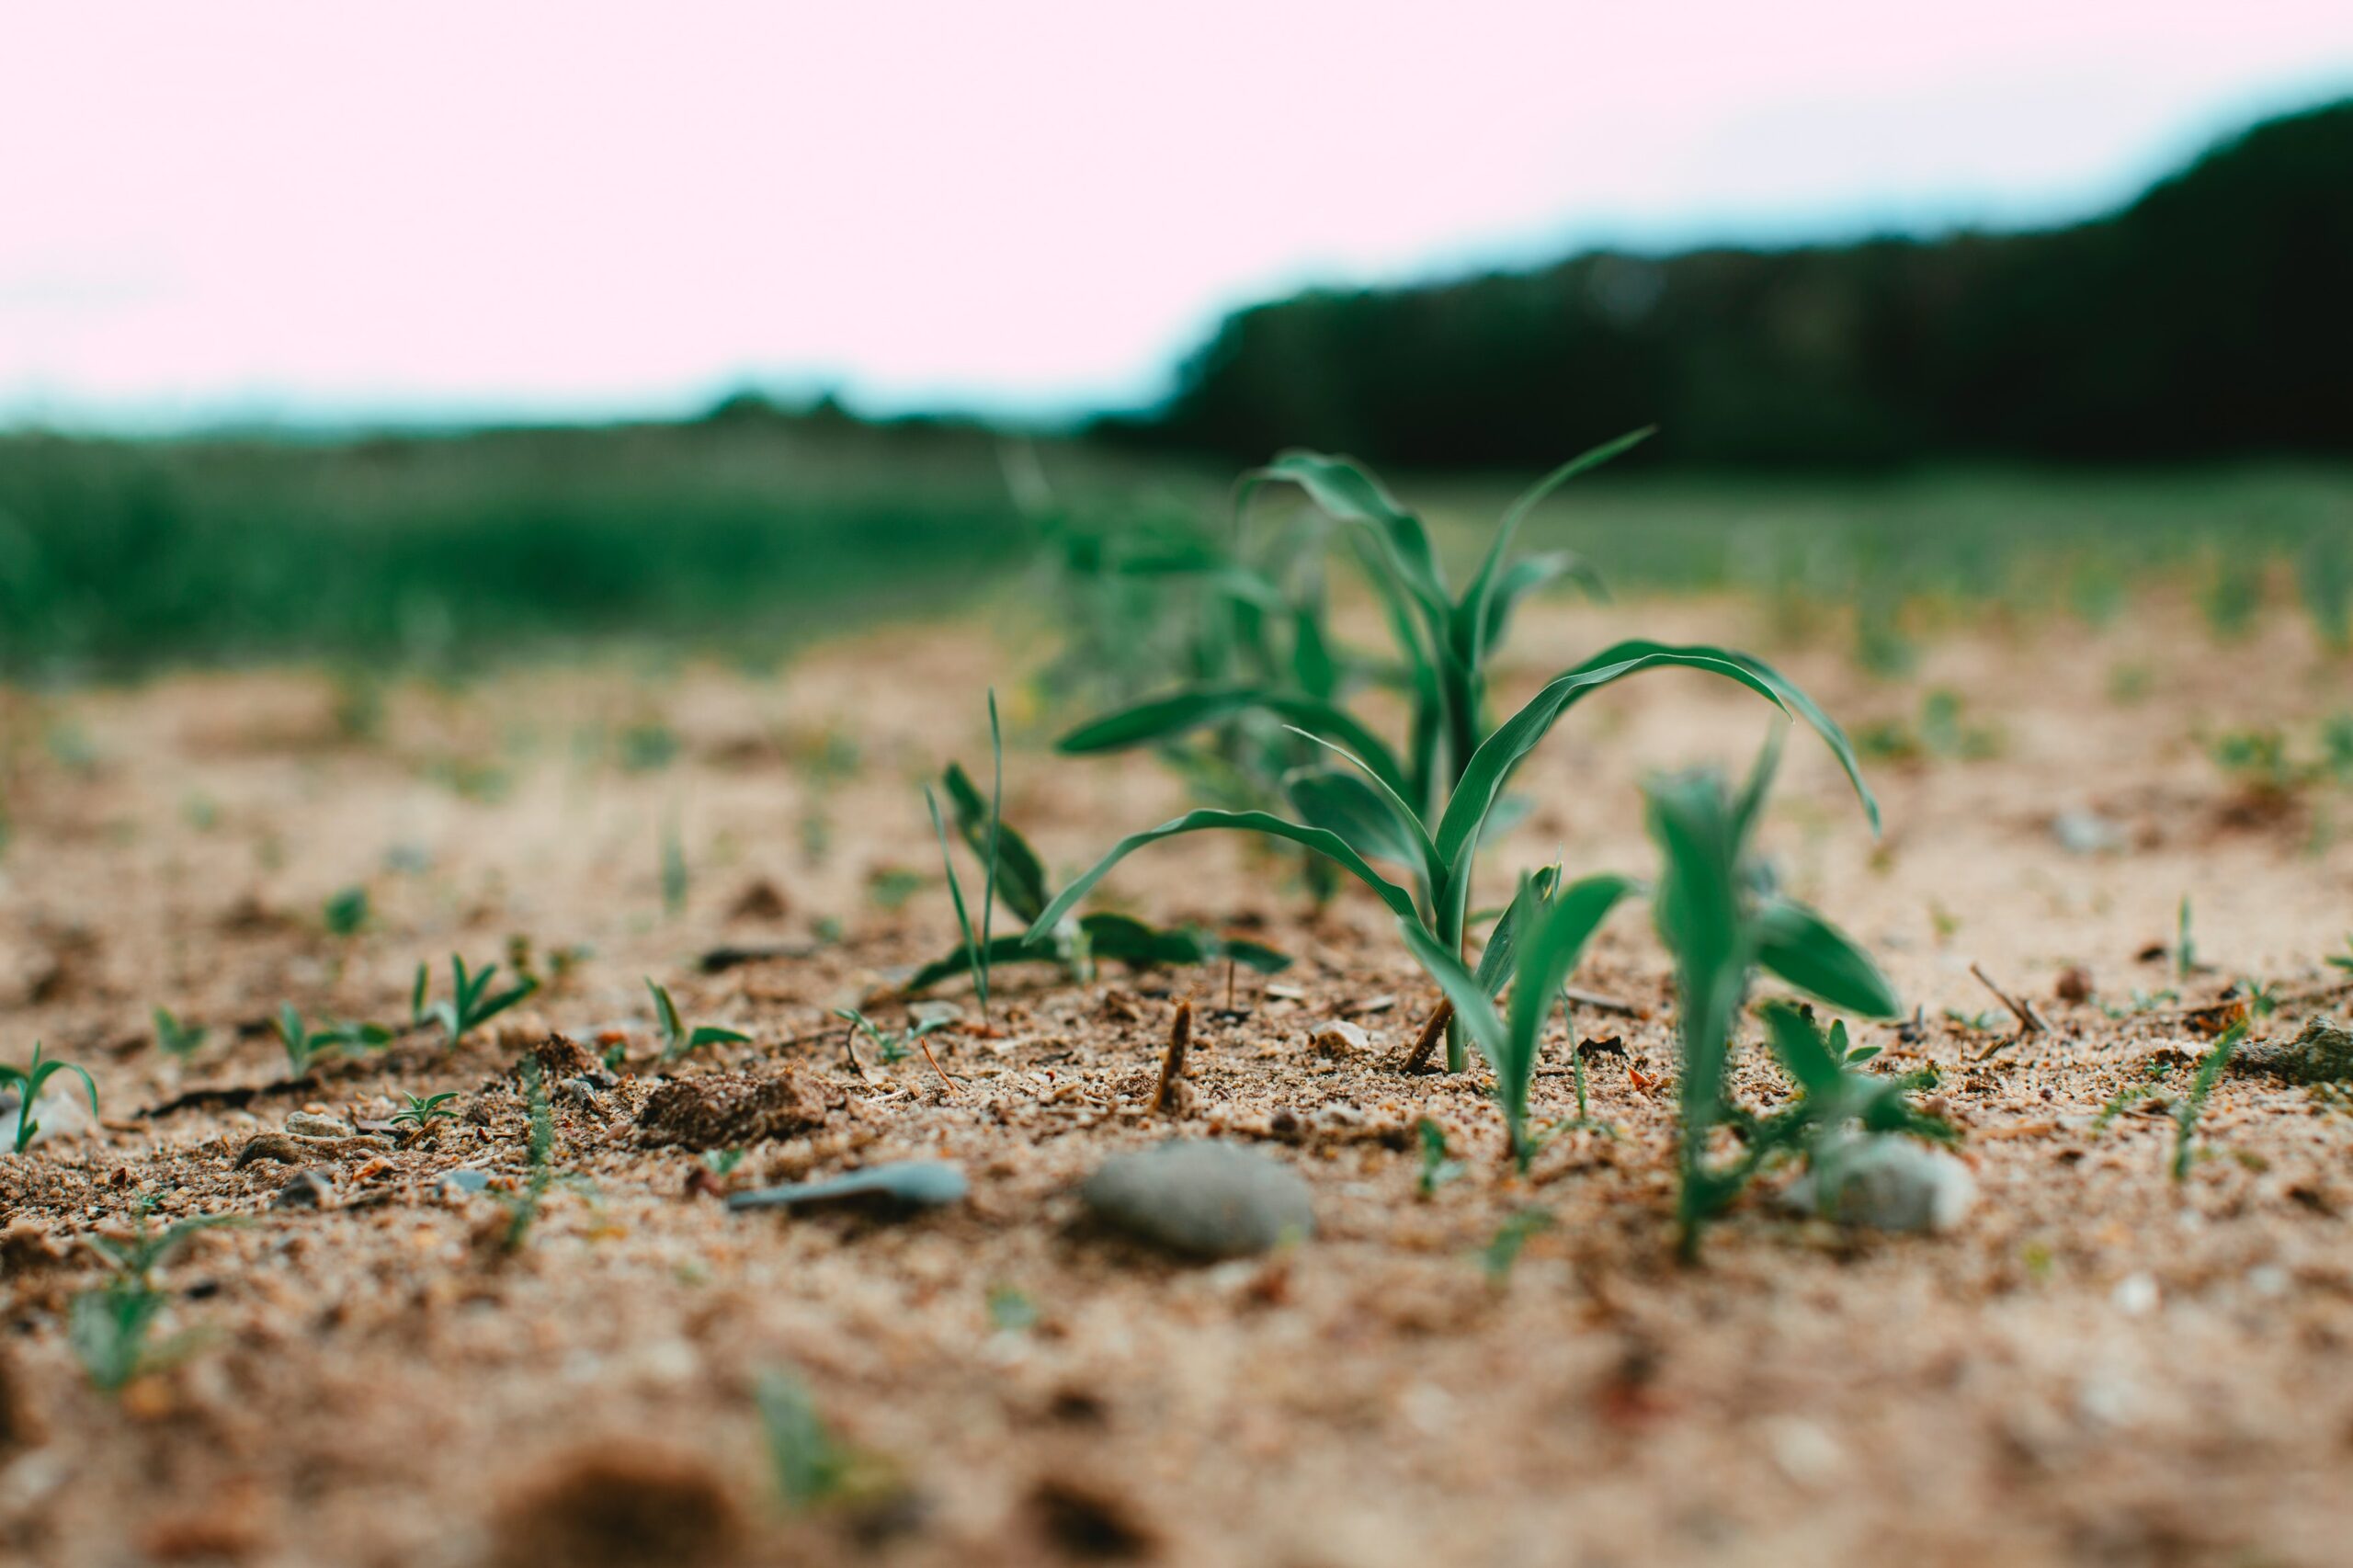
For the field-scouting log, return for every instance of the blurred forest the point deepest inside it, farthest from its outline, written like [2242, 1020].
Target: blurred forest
[2210, 318]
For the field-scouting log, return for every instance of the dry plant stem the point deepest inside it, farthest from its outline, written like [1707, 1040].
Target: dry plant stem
[1432, 1032]
[945, 1080]
[1172, 1065]
[2029, 1021]
[849, 1048]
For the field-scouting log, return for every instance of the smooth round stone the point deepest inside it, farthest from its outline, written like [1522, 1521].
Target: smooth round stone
[1201, 1197]
[915, 1184]
[1887, 1183]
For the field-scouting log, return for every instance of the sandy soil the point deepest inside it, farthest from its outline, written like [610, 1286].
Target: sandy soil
[2097, 1366]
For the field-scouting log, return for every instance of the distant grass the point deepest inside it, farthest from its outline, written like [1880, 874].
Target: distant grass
[117, 557]
[750, 537]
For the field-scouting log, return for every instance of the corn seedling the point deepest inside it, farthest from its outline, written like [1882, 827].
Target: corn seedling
[471, 1002]
[808, 1463]
[1437, 1169]
[890, 1046]
[2185, 944]
[1075, 945]
[110, 1327]
[2344, 960]
[978, 946]
[305, 1046]
[2185, 1114]
[423, 1110]
[673, 869]
[677, 1038]
[1719, 916]
[27, 1081]
[1833, 1097]
[1541, 937]
[1408, 809]
[176, 1038]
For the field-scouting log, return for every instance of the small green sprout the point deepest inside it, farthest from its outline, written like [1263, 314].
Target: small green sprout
[305, 1046]
[346, 912]
[979, 947]
[27, 1081]
[1502, 1251]
[1981, 1022]
[889, 1046]
[423, 1110]
[721, 1162]
[2344, 960]
[673, 869]
[809, 1465]
[2185, 1114]
[2184, 947]
[1436, 1170]
[469, 1004]
[523, 1207]
[677, 1038]
[1011, 1311]
[2130, 1095]
[174, 1037]
[109, 1328]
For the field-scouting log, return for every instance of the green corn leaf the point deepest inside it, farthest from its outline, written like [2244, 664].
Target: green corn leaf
[1162, 716]
[1343, 803]
[1696, 908]
[975, 958]
[1525, 577]
[1472, 618]
[1020, 875]
[1350, 494]
[1503, 942]
[1403, 826]
[1803, 949]
[1473, 1006]
[1329, 844]
[1475, 793]
[1797, 1042]
[1002, 950]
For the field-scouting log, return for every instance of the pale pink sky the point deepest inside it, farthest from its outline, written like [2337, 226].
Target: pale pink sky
[325, 211]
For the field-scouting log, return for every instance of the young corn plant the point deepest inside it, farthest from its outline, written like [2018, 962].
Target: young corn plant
[1074, 944]
[176, 1038]
[1720, 916]
[471, 1002]
[977, 946]
[1544, 934]
[306, 1046]
[28, 1082]
[2185, 1114]
[677, 1038]
[523, 1207]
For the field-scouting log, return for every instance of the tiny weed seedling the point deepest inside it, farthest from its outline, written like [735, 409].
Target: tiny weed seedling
[979, 947]
[2130, 1095]
[889, 1046]
[1719, 917]
[673, 869]
[2185, 1114]
[28, 1082]
[471, 1002]
[1437, 1169]
[423, 1110]
[2185, 945]
[110, 1327]
[1076, 945]
[176, 1038]
[306, 1046]
[677, 1038]
[808, 1463]
[1417, 810]
[523, 1207]
[721, 1162]
[2344, 960]
[1832, 1095]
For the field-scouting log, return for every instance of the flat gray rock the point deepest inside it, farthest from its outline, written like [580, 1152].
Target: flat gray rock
[912, 1184]
[1202, 1199]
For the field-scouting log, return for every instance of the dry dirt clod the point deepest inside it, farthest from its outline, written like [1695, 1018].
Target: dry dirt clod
[270, 1146]
[305, 1189]
[561, 1057]
[305, 1124]
[620, 1507]
[728, 1109]
[2321, 1053]
[1085, 1521]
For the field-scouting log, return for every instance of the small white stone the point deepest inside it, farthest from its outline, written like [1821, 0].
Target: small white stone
[2137, 1295]
[1340, 1040]
[1888, 1183]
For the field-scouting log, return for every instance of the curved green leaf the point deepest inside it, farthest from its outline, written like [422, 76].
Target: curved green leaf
[1525, 577]
[1158, 718]
[1809, 952]
[1527, 906]
[1327, 844]
[1352, 495]
[1472, 633]
[1020, 876]
[1551, 952]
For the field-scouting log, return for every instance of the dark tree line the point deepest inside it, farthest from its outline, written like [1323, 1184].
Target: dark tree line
[2210, 318]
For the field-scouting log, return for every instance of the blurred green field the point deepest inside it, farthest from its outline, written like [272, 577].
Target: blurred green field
[747, 536]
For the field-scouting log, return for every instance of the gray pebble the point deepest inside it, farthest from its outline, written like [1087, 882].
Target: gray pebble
[1201, 1197]
[912, 1184]
[305, 1189]
[465, 1183]
[1887, 1183]
[304, 1124]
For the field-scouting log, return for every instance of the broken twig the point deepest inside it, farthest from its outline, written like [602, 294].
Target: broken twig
[1165, 1098]
[1432, 1032]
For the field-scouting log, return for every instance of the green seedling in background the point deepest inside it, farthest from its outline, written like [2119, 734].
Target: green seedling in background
[346, 912]
[2129, 1095]
[523, 1207]
[423, 1110]
[677, 1038]
[979, 947]
[1502, 1251]
[673, 869]
[2184, 947]
[2344, 960]
[176, 1038]
[888, 1046]
[471, 1002]
[1075, 945]
[809, 1465]
[27, 1081]
[1719, 916]
[109, 1328]
[305, 1046]
[1437, 1169]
